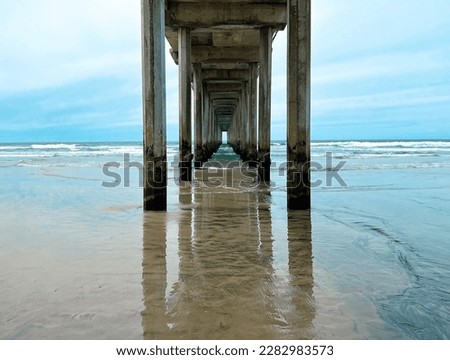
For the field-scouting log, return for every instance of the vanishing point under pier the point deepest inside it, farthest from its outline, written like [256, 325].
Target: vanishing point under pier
[224, 54]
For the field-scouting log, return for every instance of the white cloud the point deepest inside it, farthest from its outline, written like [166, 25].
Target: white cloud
[392, 99]
[45, 73]
[50, 43]
[54, 43]
[343, 28]
[382, 65]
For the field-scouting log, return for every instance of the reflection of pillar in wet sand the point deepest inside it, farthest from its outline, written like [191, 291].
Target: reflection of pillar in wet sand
[264, 223]
[225, 274]
[154, 276]
[230, 282]
[301, 272]
[185, 234]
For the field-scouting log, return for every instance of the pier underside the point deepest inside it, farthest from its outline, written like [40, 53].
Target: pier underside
[224, 53]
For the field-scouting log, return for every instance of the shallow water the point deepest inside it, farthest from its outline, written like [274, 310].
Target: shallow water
[216, 269]
[370, 261]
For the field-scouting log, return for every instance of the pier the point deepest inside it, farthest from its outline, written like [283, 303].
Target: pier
[224, 54]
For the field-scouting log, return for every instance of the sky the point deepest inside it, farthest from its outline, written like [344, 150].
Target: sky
[71, 71]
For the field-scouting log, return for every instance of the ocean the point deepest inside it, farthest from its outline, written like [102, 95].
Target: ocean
[80, 260]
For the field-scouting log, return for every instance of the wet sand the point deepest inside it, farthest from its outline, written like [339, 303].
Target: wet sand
[227, 275]
[78, 261]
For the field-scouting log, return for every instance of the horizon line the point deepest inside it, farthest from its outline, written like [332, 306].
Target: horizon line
[176, 141]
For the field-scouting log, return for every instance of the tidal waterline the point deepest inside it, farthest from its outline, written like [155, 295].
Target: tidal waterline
[370, 261]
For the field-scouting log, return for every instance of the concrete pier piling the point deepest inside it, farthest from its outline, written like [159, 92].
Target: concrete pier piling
[252, 114]
[223, 50]
[198, 115]
[265, 81]
[299, 109]
[154, 105]
[184, 76]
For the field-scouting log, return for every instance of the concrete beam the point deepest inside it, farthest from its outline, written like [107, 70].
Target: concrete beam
[218, 36]
[227, 1]
[207, 14]
[228, 54]
[225, 65]
[224, 95]
[218, 74]
[226, 82]
[224, 87]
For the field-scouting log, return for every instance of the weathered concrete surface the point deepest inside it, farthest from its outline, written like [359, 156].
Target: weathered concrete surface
[198, 115]
[185, 123]
[265, 81]
[206, 14]
[154, 106]
[252, 113]
[299, 111]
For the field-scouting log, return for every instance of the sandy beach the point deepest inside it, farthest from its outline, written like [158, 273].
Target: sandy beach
[82, 261]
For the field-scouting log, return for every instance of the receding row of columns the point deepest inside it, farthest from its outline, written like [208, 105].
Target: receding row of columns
[242, 136]
[236, 107]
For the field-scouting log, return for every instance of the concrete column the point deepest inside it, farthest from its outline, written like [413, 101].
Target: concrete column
[205, 124]
[236, 121]
[218, 134]
[198, 114]
[298, 104]
[209, 143]
[265, 74]
[239, 134]
[245, 120]
[252, 112]
[215, 133]
[154, 105]
[231, 132]
[184, 71]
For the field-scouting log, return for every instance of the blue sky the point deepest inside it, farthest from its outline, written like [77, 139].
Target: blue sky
[70, 71]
